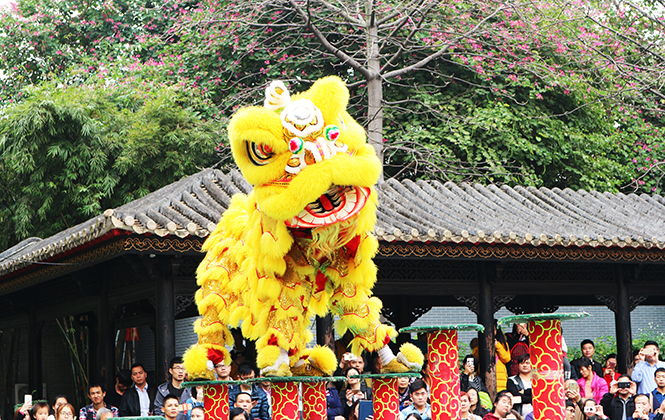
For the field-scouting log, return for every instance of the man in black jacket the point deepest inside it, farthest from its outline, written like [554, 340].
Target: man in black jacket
[520, 385]
[620, 399]
[139, 399]
[588, 350]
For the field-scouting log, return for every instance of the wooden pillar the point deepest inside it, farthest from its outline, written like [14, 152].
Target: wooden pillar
[164, 318]
[35, 355]
[324, 332]
[622, 321]
[106, 339]
[486, 349]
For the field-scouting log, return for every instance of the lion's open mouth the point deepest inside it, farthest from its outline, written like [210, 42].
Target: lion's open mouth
[335, 205]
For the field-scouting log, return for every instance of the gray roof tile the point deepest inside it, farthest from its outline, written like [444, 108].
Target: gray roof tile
[408, 211]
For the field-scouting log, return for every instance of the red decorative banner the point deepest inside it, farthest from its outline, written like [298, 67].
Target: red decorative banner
[443, 362]
[385, 399]
[547, 360]
[284, 397]
[216, 402]
[314, 404]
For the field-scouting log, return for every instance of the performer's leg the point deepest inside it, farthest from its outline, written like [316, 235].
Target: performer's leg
[214, 299]
[359, 312]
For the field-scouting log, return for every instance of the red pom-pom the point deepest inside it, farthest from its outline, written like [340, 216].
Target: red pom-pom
[215, 356]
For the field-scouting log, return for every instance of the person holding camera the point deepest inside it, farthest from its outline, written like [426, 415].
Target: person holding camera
[592, 411]
[619, 403]
[644, 372]
[643, 409]
[611, 375]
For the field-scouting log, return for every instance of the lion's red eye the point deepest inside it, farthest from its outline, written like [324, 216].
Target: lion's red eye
[265, 149]
[259, 154]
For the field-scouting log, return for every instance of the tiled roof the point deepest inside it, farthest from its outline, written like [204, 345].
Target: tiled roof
[421, 211]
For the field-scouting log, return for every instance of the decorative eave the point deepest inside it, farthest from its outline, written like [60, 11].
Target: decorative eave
[421, 212]
[33, 250]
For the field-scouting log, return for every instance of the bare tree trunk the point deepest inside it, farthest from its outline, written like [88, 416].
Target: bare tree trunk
[374, 86]
[375, 114]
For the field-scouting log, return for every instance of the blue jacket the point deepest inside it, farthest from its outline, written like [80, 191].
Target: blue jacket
[335, 407]
[643, 374]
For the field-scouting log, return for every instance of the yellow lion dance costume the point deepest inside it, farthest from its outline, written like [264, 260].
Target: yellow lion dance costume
[299, 244]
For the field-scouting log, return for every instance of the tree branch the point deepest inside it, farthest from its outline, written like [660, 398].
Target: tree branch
[441, 50]
[327, 45]
[344, 13]
[402, 47]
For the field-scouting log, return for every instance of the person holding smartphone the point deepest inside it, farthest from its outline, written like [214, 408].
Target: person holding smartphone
[354, 390]
[469, 378]
[619, 403]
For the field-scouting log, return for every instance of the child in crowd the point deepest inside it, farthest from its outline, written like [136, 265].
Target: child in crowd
[197, 413]
[40, 411]
[65, 412]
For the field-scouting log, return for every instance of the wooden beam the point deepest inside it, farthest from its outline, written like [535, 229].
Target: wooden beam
[35, 375]
[531, 287]
[424, 288]
[73, 307]
[485, 273]
[14, 321]
[161, 273]
[133, 293]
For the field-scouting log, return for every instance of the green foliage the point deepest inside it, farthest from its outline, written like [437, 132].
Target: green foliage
[653, 333]
[606, 344]
[542, 96]
[67, 153]
[43, 39]
[515, 137]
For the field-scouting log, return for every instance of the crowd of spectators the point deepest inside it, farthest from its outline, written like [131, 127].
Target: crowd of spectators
[593, 390]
